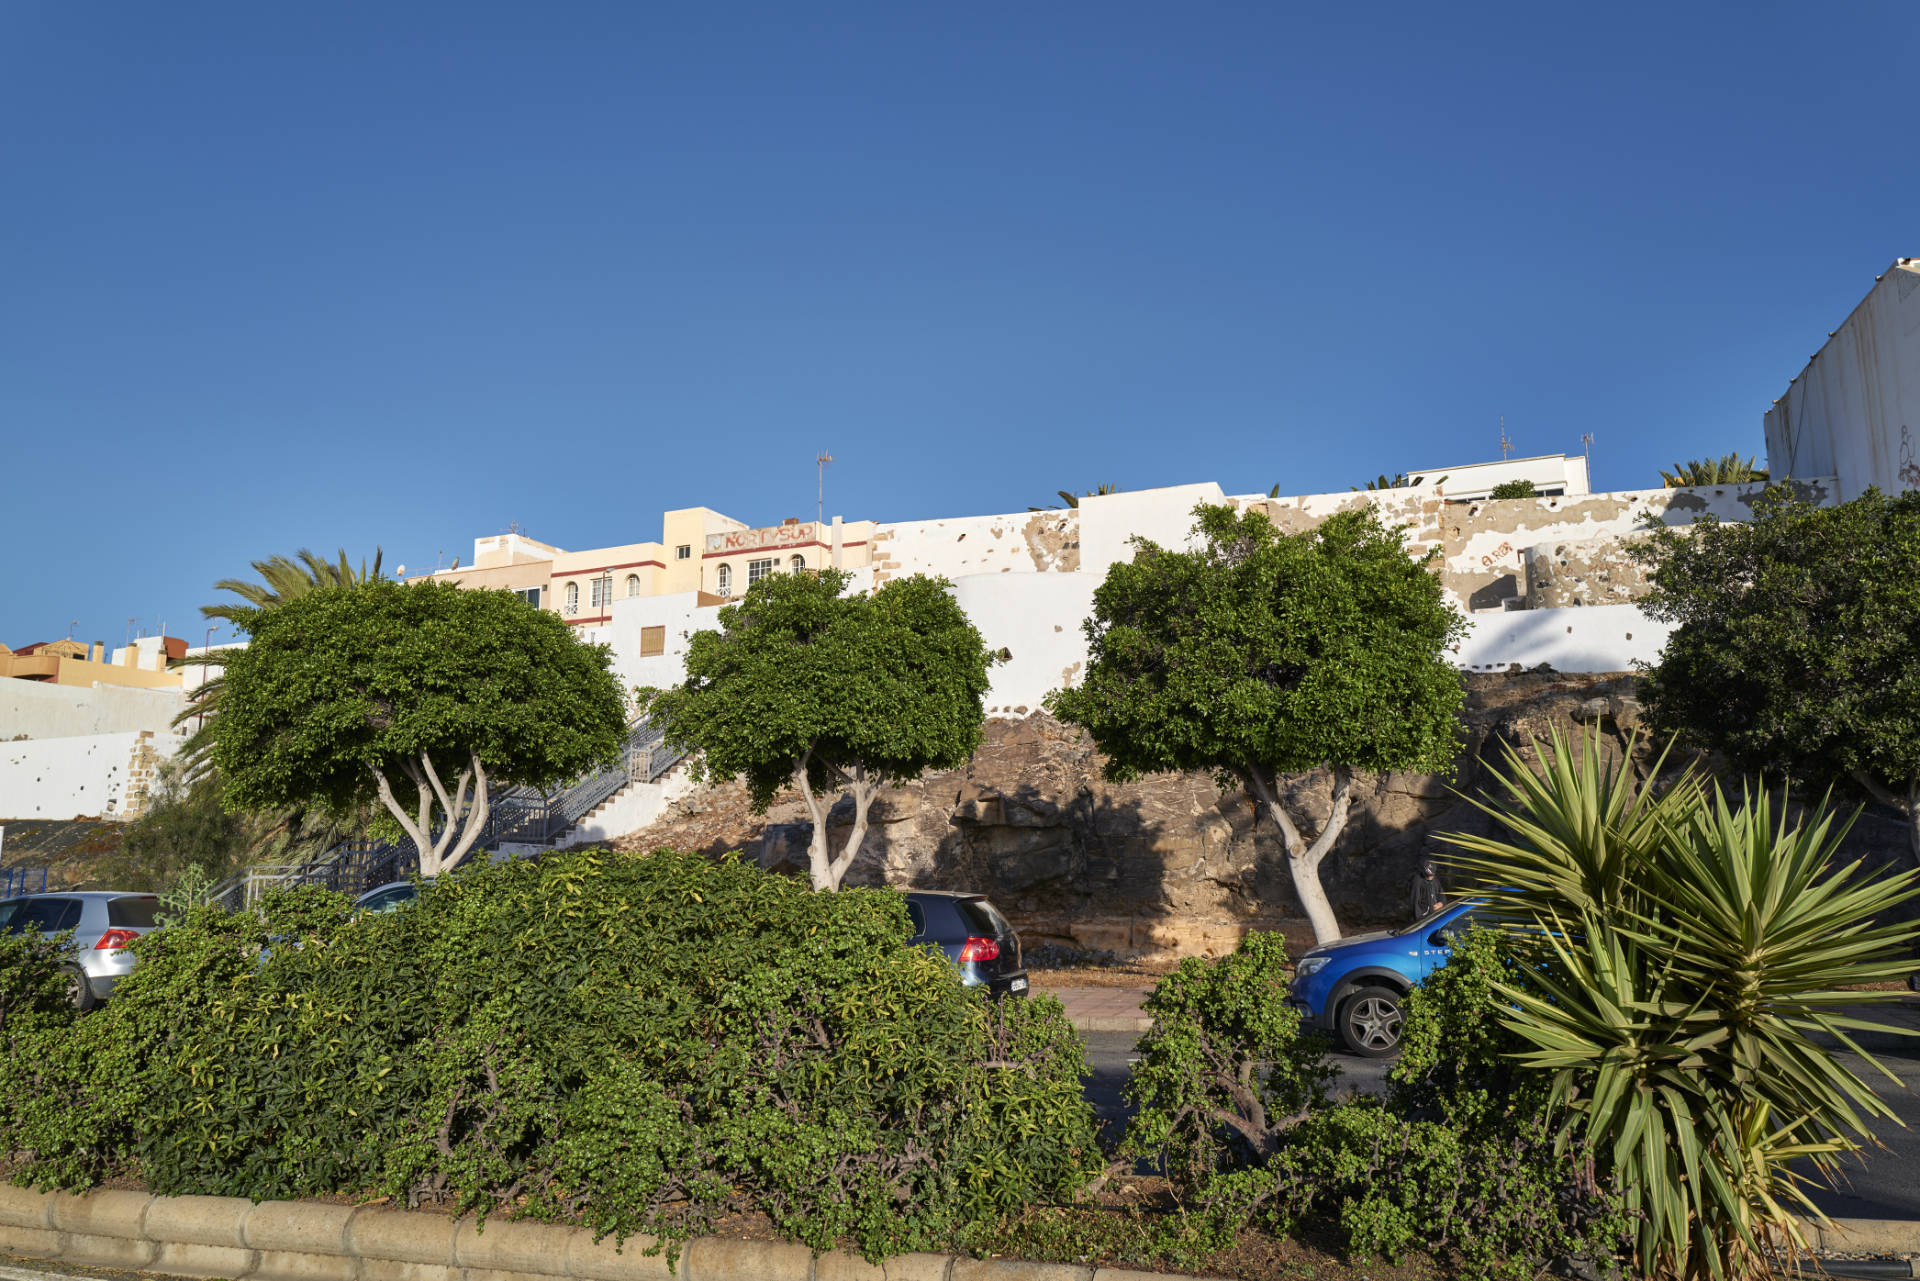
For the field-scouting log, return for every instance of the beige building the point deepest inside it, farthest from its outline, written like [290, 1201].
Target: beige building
[700, 551]
[142, 665]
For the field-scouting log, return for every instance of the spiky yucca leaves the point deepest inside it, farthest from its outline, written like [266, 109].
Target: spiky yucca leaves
[1692, 951]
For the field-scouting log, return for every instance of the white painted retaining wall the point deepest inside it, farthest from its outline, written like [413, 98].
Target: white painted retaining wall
[39, 709]
[80, 776]
[1597, 638]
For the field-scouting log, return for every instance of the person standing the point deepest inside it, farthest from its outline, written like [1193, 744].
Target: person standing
[1427, 893]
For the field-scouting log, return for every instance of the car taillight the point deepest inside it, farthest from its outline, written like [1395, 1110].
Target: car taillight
[114, 940]
[979, 950]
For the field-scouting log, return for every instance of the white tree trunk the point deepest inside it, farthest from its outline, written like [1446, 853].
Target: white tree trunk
[466, 811]
[827, 870]
[1304, 859]
[819, 866]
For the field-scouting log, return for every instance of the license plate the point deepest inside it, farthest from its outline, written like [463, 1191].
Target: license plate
[1018, 985]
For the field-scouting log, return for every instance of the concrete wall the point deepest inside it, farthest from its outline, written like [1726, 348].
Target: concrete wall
[84, 776]
[633, 808]
[1017, 543]
[1036, 619]
[1110, 522]
[1854, 411]
[38, 710]
[1603, 638]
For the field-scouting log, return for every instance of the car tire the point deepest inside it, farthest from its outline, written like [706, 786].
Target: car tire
[79, 994]
[1371, 1021]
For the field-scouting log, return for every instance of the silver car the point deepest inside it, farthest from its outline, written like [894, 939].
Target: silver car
[103, 923]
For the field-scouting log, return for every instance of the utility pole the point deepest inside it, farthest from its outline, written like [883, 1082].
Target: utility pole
[820, 499]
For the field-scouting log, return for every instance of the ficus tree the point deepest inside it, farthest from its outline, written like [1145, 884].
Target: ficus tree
[1796, 650]
[805, 687]
[1262, 654]
[348, 695]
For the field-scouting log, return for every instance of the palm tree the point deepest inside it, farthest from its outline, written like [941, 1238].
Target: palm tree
[294, 832]
[1073, 500]
[1728, 469]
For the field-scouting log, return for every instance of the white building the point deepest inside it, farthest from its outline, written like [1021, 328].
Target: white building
[1854, 412]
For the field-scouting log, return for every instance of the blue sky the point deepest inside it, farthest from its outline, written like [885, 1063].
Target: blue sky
[358, 274]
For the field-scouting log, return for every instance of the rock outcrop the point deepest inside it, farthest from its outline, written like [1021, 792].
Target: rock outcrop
[1172, 863]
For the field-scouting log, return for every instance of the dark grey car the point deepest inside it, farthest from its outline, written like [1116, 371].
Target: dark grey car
[974, 936]
[103, 923]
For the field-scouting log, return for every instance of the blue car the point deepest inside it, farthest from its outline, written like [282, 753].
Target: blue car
[1354, 989]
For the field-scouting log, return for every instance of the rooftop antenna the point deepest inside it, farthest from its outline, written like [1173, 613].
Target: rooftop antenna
[1586, 446]
[1506, 446]
[513, 527]
[820, 502]
[70, 626]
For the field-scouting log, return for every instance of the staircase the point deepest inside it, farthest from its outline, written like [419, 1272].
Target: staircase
[518, 816]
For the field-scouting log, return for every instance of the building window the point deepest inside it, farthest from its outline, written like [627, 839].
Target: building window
[633, 586]
[797, 564]
[602, 590]
[531, 595]
[725, 580]
[653, 640]
[759, 569]
[683, 552]
[573, 598]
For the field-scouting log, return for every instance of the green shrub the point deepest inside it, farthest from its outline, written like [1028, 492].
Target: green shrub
[79, 1095]
[33, 990]
[1225, 1069]
[1505, 1201]
[638, 1043]
[1458, 1061]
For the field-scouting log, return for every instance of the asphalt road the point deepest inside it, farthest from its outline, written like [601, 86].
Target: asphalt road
[1886, 1185]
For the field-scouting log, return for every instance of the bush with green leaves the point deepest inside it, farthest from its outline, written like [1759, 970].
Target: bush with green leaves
[1698, 954]
[33, 988]
[1460, 1156]
[1225, 1069]
[639, 1043]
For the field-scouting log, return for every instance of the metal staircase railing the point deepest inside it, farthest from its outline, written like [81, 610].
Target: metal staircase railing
[518, 815]
[22, 880]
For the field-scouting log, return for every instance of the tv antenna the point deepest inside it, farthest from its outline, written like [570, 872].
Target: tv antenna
[1506, 445]
[70, 627]
[1586, 445]
[820, 498]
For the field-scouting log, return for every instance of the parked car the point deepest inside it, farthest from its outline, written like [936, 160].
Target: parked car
[390, 897]
[103, 923]
[975, 938]
[1356, 988]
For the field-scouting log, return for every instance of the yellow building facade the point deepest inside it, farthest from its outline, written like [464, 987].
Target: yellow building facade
[142, 665]
[699, 550]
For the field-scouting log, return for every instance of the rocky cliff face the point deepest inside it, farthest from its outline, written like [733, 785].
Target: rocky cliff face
[1167, 864]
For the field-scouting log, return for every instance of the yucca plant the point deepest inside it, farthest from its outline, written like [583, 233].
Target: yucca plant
[1690, 959]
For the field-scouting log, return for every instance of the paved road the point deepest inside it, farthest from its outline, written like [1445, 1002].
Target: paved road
[1886, 1186]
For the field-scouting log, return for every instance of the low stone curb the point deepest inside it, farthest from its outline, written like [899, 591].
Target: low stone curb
[1865, 1236]
[234, 1238]
[1110, 1022]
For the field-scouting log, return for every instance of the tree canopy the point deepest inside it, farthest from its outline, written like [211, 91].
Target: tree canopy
[345, 694]
[1797, 646]
[1262, 654]
[802, 686]
[1522, 488]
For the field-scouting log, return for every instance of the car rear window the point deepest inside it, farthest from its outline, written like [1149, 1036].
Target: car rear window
[981, 917]
[47, 915]
[917, 917]
[133, 913]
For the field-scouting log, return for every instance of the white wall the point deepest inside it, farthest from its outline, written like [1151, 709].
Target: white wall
[681, 614]
[1854, 411]
[1036, 618]
[1015, 543]
[1597, 638]
[73, 777]
[1109, 522]
[39, 709]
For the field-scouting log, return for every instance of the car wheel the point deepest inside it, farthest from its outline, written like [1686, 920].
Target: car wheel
[1370, 1022]
[79, 995]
